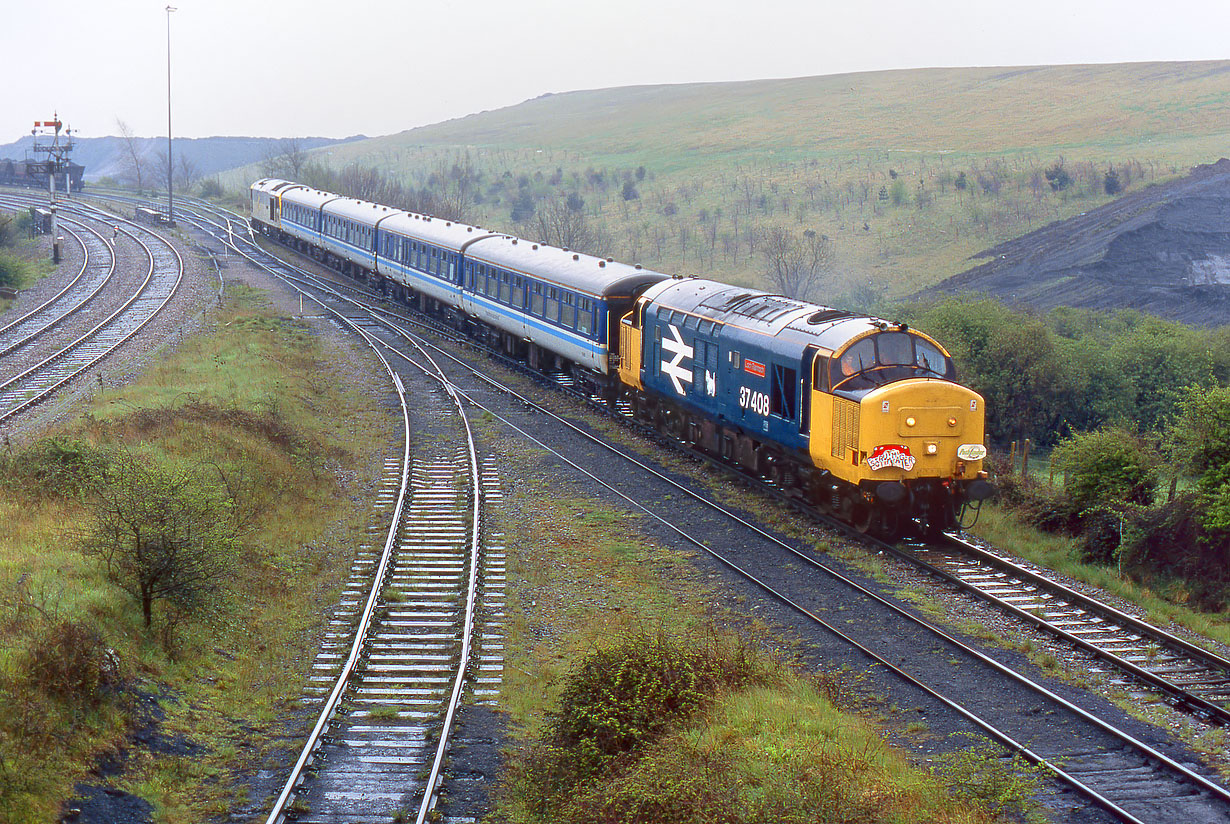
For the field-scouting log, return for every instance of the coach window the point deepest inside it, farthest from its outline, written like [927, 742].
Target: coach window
[585, 316]
[568, 312]
[537, 307]
[518, 292]
[504, 288]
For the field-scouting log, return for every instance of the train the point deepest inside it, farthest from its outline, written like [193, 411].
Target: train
[858, 417]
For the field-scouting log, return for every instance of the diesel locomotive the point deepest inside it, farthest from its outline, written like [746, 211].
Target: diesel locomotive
[854, 415]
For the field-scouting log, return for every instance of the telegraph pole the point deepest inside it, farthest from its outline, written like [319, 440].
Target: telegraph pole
[170, 160]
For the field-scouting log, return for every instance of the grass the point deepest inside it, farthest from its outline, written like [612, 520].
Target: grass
[255, 395]
[723, 159]
[582, 576]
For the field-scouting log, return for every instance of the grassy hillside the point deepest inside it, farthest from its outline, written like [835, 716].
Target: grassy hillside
[909, 172]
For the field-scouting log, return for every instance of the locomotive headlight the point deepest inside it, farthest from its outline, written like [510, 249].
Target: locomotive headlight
[952, 421]
[933, 448]
[910, 421]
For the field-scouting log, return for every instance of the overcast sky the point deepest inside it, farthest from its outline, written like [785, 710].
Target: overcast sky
[309, 67]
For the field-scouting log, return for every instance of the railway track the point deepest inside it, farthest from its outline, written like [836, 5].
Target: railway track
[162, 278]
[1190, 677]
[96, 270]
[404, 642]
[1126, 776]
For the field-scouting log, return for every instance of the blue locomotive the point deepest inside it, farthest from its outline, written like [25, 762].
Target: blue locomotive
[857, 416]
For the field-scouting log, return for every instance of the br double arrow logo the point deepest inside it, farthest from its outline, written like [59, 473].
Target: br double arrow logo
[681, 350]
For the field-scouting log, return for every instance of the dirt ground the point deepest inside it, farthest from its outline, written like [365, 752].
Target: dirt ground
[1164, 249]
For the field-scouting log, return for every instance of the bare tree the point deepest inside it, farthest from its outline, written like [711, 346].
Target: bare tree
[286, 158]
[132, 149]
[796, 264]
[188, 172]
[555, 223]
[453, 186]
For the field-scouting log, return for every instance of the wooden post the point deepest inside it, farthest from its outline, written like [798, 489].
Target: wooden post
[1012, 459]
[1174, 484]
[1025, 459]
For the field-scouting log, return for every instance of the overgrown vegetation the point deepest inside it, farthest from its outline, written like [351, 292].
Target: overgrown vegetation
[199, 490]
[705, 729]
[1107, 497]
[15, 270]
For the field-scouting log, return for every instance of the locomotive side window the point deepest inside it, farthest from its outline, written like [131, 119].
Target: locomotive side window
[783, 398]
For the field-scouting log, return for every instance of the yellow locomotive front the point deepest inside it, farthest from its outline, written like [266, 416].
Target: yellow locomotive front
[900, 439]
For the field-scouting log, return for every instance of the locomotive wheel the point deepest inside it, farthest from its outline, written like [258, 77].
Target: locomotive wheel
[862, 515]
[888, 525]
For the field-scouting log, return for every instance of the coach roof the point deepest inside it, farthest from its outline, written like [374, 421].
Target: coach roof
[446, 233]
[573, 270]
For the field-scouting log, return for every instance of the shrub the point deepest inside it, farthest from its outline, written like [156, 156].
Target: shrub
[1169, 545]
[1110, 467]
[71, 663]
[621, 699]
[14, 272]
[53, 467]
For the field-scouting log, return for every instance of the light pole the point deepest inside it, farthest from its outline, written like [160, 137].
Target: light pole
[170, 162]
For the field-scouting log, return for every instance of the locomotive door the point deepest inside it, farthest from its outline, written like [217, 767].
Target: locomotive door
[810, 354]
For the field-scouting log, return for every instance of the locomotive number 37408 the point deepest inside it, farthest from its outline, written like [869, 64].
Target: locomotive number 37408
[758, 402]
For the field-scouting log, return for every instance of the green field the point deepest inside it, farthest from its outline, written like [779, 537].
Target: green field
[872, 160]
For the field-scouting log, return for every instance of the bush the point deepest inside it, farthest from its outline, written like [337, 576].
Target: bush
[211, 188]
[1045, 507]
[1170, 546]
[1110, 467]
[71, 663]
[53, 467]
[14, 272]
[621, 699]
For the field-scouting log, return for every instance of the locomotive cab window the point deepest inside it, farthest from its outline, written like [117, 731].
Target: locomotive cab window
[886, 357]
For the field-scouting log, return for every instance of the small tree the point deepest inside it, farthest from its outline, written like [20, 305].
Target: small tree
[629, 191]
[135, 159]
[1111, 184]
[162, 534]
[1058, 177]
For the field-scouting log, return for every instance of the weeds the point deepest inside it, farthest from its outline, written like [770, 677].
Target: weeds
[982, 774]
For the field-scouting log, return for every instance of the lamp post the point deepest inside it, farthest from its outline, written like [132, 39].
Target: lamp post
[170, 162]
